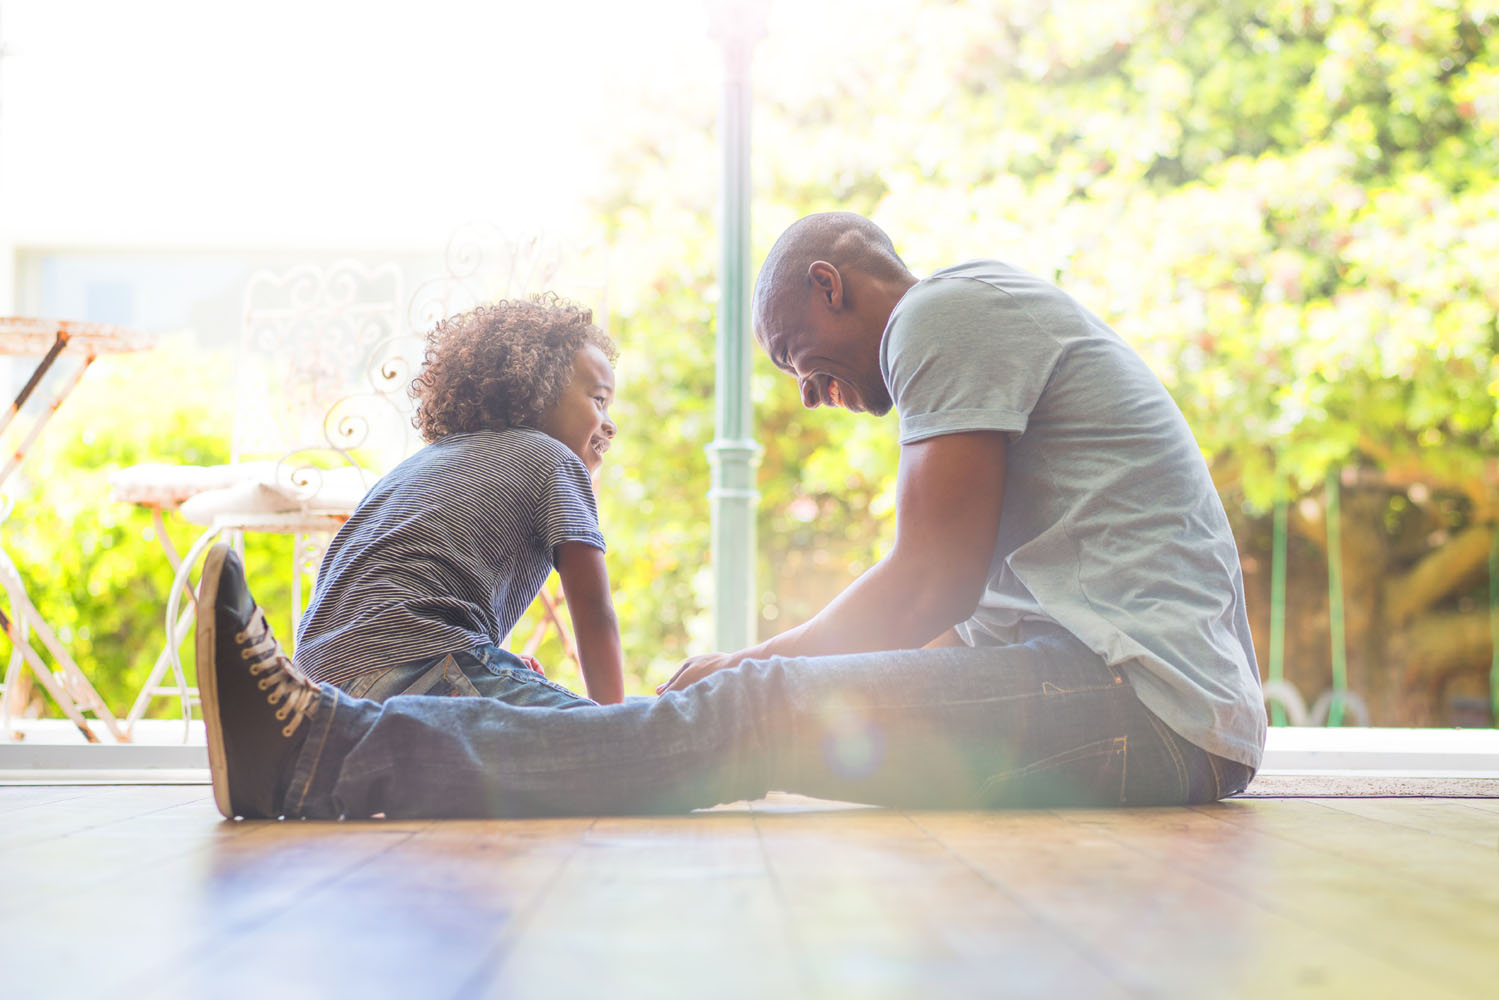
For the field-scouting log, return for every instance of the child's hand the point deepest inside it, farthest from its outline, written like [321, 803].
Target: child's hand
[534, 664]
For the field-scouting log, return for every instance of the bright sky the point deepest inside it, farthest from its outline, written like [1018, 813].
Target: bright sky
[318, 122]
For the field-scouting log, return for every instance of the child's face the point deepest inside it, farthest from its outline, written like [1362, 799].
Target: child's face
[580, 417]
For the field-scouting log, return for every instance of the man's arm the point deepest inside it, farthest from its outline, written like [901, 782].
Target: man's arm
[949, 495]
[585, 584]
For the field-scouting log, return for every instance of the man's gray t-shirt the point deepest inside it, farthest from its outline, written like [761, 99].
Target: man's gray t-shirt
[1111, 525]
[446, 552]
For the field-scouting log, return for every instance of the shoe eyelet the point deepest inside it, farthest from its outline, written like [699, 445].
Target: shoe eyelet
[287, 731]
[264, 684]
[239, 637]
[282, 712]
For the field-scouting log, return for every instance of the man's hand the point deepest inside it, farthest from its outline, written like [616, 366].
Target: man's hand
[698, 667]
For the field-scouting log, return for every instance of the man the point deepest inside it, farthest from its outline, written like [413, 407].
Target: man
[1060, 620]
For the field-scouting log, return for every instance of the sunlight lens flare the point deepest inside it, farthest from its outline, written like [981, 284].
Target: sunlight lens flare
[853, 745]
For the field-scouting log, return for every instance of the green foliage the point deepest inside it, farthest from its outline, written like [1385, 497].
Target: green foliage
[94, 567]
[1287, 209]
[1287, 206]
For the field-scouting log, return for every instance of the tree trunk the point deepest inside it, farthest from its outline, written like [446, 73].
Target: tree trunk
[1414, 631]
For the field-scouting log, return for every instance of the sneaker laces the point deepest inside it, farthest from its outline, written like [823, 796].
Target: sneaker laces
[283, 681]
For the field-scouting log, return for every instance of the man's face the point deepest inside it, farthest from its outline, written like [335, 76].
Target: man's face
[834, 357]
[580, 417]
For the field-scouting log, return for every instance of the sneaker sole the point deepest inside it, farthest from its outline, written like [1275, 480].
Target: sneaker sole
[208, 680]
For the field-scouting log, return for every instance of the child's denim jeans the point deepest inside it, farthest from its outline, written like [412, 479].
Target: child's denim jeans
[1042, 723]
[487, 672]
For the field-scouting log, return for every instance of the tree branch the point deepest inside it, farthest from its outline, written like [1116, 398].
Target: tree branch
[1441, 644]
[1437, 575]
[1399, 472]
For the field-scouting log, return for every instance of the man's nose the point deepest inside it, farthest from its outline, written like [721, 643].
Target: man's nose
[808, 388]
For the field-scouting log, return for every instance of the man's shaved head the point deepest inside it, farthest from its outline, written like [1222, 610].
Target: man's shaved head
[823, 299]
[843, 239]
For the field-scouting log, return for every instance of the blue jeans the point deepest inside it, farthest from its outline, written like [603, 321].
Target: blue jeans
[1042, 723]
[486, 672]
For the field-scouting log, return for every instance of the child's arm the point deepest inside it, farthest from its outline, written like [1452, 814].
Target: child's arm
[585, 584]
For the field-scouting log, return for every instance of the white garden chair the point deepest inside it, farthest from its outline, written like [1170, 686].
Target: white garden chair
[345, 318]
[320, 411]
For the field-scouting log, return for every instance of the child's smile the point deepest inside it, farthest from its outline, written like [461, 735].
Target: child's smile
[580, 417]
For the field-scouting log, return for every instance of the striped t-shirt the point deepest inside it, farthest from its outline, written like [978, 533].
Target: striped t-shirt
[446, 552]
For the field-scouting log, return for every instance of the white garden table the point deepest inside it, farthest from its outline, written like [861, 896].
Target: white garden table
[51, 339]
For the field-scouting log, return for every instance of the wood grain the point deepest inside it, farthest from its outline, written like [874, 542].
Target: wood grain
[145, 891]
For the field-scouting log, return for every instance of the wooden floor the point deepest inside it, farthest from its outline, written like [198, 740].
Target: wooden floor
[141, 891]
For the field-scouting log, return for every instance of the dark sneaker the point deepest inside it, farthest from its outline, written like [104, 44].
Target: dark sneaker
[255, 703]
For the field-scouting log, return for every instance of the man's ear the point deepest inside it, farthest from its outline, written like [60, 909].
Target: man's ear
[828, 282]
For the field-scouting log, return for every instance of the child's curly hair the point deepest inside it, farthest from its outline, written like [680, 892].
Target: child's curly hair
[501, 365]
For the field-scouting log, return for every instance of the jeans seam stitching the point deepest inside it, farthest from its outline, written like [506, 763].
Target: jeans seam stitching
[317, 757]
[456, 680]
[1169, 742]
[526, 674]
[1117, 745]
[1058, 690]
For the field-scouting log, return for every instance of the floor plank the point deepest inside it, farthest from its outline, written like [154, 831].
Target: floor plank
[412, 911]
[114, 858]
[146, 891]
[102, 807]
[661, 906]
[14, 797]
[1385, 916]
[296, 891]
[1485, 805]
[1465, 869]
[879, 908]
[109, 897]
[1438, 817]
[1155, 927]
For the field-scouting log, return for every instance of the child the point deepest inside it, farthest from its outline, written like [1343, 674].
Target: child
[422, 585]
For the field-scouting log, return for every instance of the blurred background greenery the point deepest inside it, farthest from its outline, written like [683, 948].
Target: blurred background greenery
[1289, 208]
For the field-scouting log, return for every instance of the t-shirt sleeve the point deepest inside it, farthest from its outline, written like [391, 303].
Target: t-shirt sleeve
[566, 510]
[962, 355]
